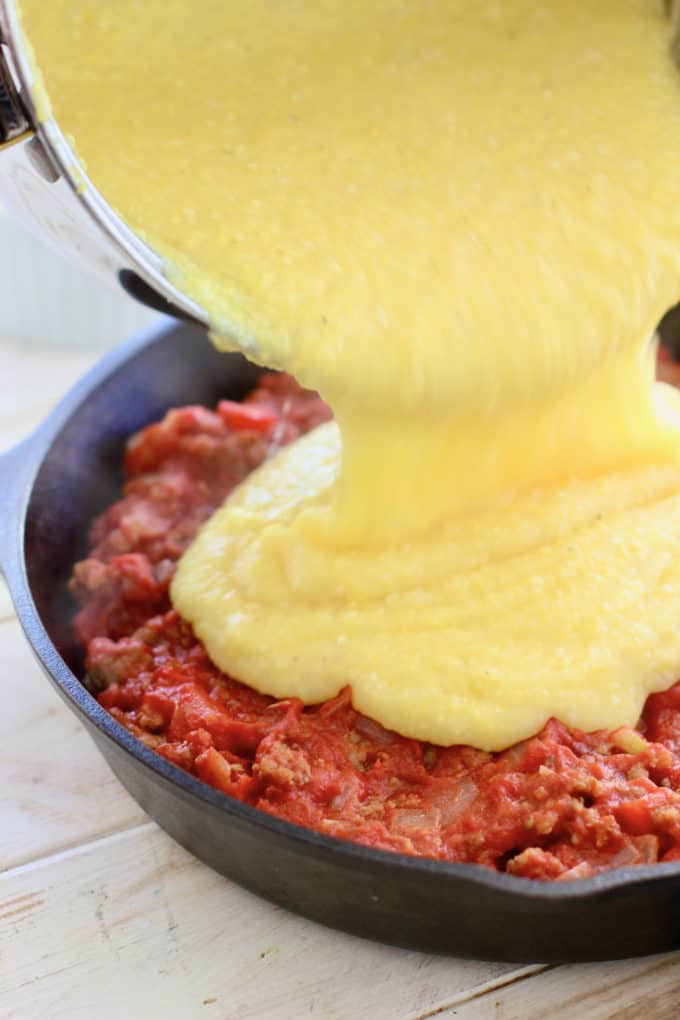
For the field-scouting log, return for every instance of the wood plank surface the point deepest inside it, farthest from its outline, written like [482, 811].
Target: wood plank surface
[135, 916]
[642, 989]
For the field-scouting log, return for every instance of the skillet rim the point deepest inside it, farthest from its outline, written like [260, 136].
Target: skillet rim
[21, 465]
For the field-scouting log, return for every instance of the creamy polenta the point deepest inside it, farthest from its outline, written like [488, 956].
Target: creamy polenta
[460, 222]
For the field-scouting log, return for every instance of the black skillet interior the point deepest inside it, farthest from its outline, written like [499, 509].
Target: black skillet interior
[51, 487]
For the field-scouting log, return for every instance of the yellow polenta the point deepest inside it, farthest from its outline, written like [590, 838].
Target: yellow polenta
[460, 221]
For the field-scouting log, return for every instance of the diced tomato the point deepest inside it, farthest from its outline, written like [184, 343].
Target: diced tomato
[246, 417]
[634, 817]
[212, 768]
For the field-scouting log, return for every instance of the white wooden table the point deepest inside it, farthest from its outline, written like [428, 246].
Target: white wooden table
[104, 917]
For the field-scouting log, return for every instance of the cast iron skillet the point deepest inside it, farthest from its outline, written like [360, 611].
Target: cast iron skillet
[50, 487]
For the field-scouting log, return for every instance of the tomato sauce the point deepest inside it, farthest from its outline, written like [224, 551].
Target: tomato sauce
[561, 805]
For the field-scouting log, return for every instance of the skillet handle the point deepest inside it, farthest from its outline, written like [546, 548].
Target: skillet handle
[16, 470]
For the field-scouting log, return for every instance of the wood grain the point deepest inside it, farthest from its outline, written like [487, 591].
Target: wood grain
[625, 990]
[134, 914]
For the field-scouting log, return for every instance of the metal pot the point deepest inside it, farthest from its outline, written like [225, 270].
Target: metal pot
[44, 184]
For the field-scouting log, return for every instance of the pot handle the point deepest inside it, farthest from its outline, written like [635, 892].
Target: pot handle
[16, 467]
[15, 122]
